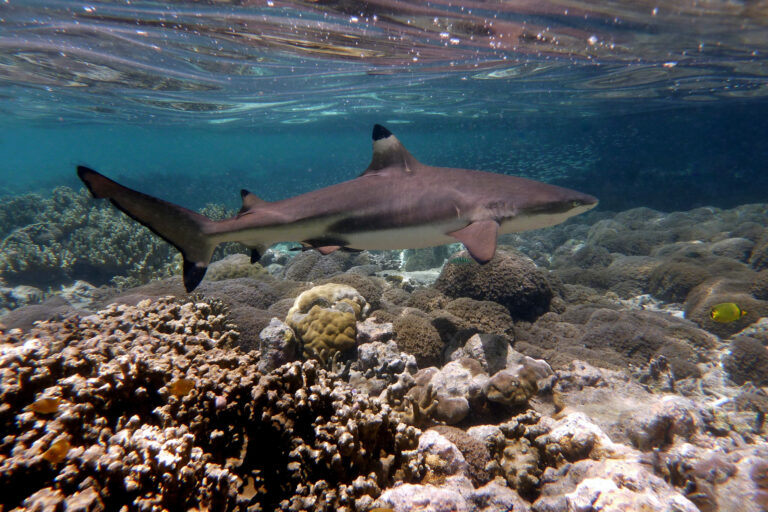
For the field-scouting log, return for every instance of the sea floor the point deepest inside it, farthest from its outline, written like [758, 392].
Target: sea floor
[579, 370]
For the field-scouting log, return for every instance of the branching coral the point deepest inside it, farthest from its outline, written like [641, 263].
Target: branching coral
[149, 407]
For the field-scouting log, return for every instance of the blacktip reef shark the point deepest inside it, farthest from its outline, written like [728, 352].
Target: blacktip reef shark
[396, 203]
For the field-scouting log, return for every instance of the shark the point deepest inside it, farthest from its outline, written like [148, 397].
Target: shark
[396, 203]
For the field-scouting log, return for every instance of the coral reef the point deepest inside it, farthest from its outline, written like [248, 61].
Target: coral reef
[49, 242]
[528, 379]
[208, 430]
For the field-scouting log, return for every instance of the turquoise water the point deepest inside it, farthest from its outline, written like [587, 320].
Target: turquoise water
[637, 104]
[672, 159]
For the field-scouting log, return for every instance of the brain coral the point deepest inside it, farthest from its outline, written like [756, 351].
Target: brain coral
[148, 408]
[325, 319]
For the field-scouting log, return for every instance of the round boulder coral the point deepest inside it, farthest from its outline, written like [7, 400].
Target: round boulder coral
[509, 278]
[747, 360]
[416, 335]
[325, 319]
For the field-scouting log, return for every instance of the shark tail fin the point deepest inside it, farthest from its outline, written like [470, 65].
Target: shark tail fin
[184, 229]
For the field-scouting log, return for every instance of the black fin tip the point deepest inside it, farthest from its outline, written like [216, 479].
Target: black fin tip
[192, 275]
[379, 132]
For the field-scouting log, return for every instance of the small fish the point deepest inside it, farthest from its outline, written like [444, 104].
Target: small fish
[181, 387]
[726, 312]
[460, 260]
[45, 405]
[57, 451]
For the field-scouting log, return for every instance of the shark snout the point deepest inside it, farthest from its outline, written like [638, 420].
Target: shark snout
[582, 199]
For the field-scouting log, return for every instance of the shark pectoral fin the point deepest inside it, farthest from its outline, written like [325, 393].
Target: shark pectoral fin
[328, 249]
[479, 238]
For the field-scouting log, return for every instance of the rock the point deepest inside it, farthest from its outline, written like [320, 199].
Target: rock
[746, 489]
[278, 345]
[671, 418]
[87, 500]
[80, 294]
[512, 387]
[475, 452]
[384, 359]
[424, 498]
[275, 256]
[610, 486]
[495, 496]
[441, 455]
[18, 296]
[490, 350]
[456, 494]
[455, 386]
[576, 437]
[370, 330]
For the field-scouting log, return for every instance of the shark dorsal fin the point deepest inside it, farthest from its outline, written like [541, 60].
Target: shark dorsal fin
[389, 152]
[250, 201]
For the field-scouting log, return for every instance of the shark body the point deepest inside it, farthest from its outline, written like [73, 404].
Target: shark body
[397, 203]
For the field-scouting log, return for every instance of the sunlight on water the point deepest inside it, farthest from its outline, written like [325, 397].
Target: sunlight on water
[229, 62]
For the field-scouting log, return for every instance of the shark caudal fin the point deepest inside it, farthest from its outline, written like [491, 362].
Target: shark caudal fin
[184, 229]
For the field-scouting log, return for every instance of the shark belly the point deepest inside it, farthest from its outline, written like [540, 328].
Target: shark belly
[528, 222]
[408, 237]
